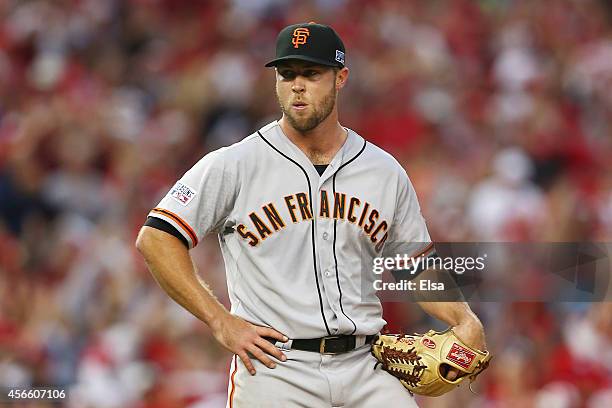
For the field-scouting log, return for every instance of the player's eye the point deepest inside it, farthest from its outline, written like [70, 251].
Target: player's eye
[309, 73]
[287, 74]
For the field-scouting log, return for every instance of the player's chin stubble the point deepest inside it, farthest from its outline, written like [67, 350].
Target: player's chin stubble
[320, 112]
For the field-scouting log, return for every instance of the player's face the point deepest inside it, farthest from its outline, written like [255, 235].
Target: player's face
[306, 93]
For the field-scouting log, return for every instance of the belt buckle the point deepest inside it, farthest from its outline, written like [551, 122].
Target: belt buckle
[322, 345]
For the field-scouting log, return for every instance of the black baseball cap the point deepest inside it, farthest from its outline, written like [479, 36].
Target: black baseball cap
[310, 42]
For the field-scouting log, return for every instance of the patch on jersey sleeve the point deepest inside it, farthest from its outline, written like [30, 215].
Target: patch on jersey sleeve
[182, 193]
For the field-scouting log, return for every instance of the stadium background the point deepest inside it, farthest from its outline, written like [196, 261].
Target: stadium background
[500, 111]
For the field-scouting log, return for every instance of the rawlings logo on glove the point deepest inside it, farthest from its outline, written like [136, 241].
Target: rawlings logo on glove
[420, 361]
[461, 355]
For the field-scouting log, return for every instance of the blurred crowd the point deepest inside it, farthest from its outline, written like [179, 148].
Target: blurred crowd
[500, 111]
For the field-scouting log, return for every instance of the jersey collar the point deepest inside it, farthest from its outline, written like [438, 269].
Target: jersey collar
[349, 149]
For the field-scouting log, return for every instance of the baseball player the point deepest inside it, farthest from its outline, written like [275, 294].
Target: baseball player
[296, 206]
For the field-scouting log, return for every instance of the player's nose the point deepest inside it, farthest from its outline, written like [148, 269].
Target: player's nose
[298, 85]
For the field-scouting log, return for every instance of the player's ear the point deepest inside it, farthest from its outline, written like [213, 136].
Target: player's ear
[341, 77]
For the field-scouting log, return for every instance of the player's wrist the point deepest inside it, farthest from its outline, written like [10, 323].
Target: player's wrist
[470, 320]
[471, 331]
[218, 320]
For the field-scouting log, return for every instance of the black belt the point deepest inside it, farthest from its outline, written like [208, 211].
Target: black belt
[327, 345]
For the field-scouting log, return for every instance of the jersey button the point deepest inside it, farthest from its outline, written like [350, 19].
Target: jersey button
[327, 274]
[325, 236]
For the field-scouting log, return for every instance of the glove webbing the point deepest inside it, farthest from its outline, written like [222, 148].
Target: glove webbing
[390, 355]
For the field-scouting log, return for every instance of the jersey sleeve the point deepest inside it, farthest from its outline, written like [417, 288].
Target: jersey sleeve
[409, 234]
[165, 226]
[201, 201]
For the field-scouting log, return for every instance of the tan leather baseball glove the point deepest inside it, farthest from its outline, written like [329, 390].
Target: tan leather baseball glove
[420, 361]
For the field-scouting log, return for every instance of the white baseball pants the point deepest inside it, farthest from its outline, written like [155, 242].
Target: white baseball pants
[313, 380]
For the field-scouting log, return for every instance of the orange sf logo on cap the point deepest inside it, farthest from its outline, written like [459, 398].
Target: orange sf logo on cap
[300, 35]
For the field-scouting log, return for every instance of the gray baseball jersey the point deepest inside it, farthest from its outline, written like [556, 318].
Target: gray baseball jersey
[293, 241]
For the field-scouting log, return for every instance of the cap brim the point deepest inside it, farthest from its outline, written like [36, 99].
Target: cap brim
[276, 61]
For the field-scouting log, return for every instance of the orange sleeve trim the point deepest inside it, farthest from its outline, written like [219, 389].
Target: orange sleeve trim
[424, 251]
[231, 396]
[180, 222]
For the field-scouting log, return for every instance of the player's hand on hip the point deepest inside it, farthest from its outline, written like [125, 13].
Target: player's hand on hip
[243, 339]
